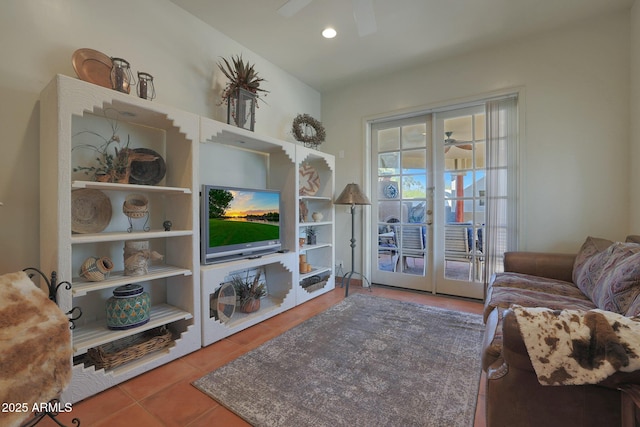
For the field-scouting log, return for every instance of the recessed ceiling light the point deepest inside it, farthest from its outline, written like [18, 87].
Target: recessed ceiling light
[329, 33]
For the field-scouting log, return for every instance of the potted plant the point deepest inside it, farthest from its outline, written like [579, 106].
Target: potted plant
[241, 92]
[311, 235]
[249, 292]
[113, 156]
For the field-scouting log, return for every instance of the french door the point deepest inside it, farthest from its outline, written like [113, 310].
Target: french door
[428, 199]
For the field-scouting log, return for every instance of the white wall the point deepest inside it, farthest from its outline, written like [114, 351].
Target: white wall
[38, 39]
[576, 125]
[634, 158]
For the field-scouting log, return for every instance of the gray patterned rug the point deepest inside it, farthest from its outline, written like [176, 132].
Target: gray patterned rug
[367, 361]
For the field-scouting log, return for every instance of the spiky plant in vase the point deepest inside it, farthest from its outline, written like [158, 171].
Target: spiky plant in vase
[249, 292]
[241, 91]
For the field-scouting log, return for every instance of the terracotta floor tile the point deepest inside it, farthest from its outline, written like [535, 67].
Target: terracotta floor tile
[157, 379]
[219, 416]
[91, 410]
[133, 415]
[178, 405]
[209, 358]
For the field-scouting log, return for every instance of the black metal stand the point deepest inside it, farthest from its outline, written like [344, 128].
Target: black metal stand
[145, 227]
[53, 287]
[350, 274]
[53, 404]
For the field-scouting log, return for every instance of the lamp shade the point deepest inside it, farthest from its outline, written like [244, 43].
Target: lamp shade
[352, 195]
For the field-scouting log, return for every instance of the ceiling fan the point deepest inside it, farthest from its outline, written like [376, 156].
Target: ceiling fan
[363, 13]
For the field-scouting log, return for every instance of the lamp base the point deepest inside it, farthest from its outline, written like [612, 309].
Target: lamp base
[348, 276]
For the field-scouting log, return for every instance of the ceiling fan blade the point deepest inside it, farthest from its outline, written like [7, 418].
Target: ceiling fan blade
[365, 17]
[292, 7]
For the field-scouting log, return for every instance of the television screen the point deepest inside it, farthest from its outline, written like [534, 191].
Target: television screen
[240, 221]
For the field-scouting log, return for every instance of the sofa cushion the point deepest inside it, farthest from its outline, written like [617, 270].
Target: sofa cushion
[634, 307]
[589, 263]
[619, 282]
[533, 291]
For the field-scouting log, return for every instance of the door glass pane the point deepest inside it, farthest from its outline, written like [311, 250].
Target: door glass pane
[389, 139]
[414, 186]
[389, 164]
[389, 212]
[414, 136]
[412, 249]
[458, 184]
[414, 161]
[388, 187]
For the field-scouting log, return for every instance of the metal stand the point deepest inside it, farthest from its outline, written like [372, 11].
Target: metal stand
[75, 313]
[145, 227]
[350, 274]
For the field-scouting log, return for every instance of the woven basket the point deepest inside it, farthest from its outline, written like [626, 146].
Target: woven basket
[112, 355]
[135, 206]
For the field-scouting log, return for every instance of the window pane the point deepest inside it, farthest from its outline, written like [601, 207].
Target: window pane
[414, 136]
[414, 187]
[389, 139]
[415, 212]
[389, 212]
[388, 164]
[389, 188]
[458, 184]
[414, 161]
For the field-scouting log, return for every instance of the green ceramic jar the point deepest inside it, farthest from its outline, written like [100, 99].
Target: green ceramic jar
[129, 307]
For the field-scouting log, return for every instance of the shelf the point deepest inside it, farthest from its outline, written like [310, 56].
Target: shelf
[267, 304]
[81, 287]
[315, 270]
[97, 333]
[123, 235]
[305, 248]
[314, 223]
[129, 187]
[320, 198]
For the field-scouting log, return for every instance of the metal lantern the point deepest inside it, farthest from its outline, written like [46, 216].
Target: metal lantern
[241, 109]
[121, 77]
[145, 89]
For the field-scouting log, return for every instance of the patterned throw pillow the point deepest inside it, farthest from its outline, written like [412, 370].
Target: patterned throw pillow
[589, 263]
[619, 283]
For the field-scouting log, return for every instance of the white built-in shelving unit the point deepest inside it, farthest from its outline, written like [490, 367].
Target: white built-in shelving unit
[75, 113]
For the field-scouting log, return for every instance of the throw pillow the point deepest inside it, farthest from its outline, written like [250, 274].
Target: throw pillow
[588, 264]
[632, 239]
[619, 283]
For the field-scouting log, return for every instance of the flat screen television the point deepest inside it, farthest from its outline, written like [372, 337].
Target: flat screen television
[238, 223]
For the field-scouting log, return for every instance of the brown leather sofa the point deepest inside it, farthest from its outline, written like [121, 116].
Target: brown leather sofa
[514, 397]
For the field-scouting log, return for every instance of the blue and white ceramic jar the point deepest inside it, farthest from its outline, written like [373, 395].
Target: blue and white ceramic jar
[129, 307]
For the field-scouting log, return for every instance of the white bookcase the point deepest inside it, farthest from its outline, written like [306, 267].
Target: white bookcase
[73, 113]
[181, 290]
[321, 254]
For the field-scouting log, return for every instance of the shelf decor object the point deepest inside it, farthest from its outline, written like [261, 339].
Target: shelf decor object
[128, 307]
[146, 89]
[241, 92]
[352, 195]
[121, 77]
[136, 206]
[90, 211]
[96, 269]
[117, 353]
[308, 130]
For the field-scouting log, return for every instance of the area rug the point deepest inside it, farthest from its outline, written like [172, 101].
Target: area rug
[367, 361]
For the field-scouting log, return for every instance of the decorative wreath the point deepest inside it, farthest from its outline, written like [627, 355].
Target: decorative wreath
[300, 127]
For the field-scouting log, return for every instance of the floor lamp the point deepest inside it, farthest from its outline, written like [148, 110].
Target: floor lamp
[352, 195]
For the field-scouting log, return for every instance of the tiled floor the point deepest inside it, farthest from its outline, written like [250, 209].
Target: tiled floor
[165, 396]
